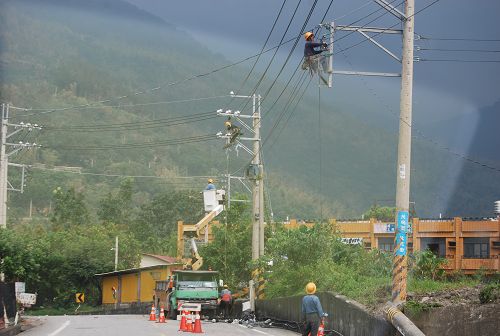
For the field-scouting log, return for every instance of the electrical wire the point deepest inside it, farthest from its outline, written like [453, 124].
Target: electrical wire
[167, 122]
[383, 30]
[170, 142]
[459, 50]
[117, 175]
[421, 134]
[456, 39]
[454, 60]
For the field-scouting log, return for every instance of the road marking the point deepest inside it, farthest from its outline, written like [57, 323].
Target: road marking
[258, 331]
[61, 328]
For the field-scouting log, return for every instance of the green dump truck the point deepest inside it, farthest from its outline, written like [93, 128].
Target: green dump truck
[190, 287]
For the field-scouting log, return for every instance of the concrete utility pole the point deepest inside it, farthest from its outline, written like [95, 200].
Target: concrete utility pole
[4, 159]
[3, 168]
[256, 176]
[400, 266]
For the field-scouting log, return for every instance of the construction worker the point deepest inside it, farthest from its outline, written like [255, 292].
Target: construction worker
[312, 55]
[233, 130]
[226, 301]
[312, 311]
[210, 185]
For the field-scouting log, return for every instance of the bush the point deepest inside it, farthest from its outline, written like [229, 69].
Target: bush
[428, 266]
[490, 293]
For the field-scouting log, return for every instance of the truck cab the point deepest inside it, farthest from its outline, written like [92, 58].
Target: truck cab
[200, 287]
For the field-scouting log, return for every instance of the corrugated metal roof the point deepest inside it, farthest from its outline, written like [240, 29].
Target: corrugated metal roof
[134, 270]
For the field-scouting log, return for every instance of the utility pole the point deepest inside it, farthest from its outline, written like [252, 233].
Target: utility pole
[400, 266]
[116, 253]
[3, 168]
[4, 164]
[5, 185]
[255, 175]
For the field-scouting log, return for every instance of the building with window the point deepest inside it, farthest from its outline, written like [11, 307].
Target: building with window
[468, 244]
[136, 286]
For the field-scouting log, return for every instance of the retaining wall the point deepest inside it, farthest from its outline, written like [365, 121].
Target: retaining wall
[346, 317]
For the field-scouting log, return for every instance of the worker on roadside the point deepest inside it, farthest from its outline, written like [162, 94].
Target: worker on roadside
[210, 185]
[226, 301]
[313, 56]
[312, 311]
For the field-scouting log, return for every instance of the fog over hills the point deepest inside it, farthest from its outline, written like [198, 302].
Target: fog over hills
[319, 161]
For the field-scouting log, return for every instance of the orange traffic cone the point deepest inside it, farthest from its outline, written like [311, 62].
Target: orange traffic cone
[189, 323]
[183, 326]
[321, 329]
[152, 316]
[197, 324]
[162, 316]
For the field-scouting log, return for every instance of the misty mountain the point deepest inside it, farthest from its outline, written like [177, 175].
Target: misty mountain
[319, 162]
[116, 8]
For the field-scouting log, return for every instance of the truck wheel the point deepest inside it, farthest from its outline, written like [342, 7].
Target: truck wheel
[173, 314]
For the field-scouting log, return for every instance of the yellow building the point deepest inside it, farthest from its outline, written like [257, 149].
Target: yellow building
[136, 285]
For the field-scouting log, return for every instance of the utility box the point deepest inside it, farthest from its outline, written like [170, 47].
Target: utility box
[213, 198]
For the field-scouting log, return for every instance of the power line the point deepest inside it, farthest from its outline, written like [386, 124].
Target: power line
[170, 142]
[165, 122]
[420, 133]
[117, 175]
[383, 30]
[459, 50]
[456, 60]
[94, 106]
[420, 37]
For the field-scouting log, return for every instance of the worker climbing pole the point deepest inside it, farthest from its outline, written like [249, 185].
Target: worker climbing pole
[256, 174]
[318, 56]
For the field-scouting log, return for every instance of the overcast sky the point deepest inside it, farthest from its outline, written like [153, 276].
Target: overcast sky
[245, 24]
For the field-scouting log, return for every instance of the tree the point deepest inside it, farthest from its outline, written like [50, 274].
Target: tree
[386, 214]
[117, 208]
[69, 208]
[230, 252]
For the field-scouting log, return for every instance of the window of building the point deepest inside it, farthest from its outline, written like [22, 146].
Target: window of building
[435, 245]
[477, 248]
[386, 244]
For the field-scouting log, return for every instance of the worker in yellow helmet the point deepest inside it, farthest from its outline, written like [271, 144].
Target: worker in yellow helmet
[233, 132]
[312, 311]
[313, 56]
[210, 185]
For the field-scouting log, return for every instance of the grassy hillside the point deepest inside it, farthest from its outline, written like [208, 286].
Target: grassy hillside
[60, 56]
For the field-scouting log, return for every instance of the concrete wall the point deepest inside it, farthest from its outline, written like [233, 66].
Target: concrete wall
[347, 317]
[477, 320]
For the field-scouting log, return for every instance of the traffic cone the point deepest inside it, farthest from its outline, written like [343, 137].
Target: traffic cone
[189, 323]
[162, 316]
[197, 324]
[152, 316]
[183, 326]
[321, 329]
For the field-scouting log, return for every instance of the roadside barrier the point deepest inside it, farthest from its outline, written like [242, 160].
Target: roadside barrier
[183, 326]
[197, 324]
[162, 316]
[152, 315]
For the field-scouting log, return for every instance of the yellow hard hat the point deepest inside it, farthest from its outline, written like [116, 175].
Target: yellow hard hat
[227, 123]
[308, 35]
[311, 288]
[210, 180]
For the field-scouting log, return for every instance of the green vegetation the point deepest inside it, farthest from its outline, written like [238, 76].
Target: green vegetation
[490, 293]
[59, 258]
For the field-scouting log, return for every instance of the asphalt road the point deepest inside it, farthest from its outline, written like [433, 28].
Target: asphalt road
[125, 325]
